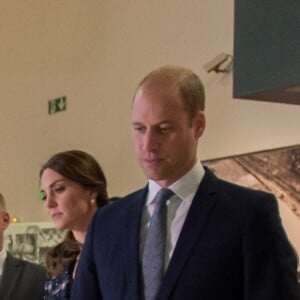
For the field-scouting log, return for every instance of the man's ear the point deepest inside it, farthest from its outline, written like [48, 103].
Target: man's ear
[199, 123]
[4, 220]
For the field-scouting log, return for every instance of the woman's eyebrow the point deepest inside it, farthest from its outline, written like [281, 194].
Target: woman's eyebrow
[55, 182]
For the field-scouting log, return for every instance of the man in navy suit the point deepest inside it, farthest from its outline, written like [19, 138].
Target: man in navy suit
[223, 241]
[19, 279]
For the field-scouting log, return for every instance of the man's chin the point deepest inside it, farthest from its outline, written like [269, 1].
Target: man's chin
[153, 176]
[158, 179]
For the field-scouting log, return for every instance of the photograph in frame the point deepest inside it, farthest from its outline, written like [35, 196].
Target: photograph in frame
[31, 241]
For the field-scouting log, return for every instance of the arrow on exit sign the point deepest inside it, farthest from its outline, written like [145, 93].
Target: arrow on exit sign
[57, 105]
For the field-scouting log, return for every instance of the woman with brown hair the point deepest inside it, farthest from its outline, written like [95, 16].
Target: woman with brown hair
[73, 187]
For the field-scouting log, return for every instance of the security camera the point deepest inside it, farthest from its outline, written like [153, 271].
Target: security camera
[215, 63]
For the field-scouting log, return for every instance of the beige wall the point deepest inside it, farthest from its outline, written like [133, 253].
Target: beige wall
[94, 52]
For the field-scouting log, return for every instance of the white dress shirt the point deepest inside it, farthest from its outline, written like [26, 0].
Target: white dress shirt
[178, 206]
[3, 255]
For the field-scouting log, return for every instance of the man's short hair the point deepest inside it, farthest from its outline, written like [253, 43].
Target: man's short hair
[2, 203]
[188, 85]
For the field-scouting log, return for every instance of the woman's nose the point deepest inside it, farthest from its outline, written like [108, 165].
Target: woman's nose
[50, 201]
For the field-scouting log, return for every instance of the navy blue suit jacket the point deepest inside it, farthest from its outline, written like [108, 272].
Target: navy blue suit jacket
[232, 246]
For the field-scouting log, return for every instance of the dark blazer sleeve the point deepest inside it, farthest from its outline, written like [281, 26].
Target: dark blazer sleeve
[108, 266]
[22, 280]
[86, 285]
[270, 262]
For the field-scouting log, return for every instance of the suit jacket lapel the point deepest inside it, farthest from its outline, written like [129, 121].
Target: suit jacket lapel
[12, 269]
[198, 215]
[131, 235]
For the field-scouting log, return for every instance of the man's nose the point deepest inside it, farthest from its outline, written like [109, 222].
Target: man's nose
[150, 142]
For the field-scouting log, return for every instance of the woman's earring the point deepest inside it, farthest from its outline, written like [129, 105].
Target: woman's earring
[93, 201]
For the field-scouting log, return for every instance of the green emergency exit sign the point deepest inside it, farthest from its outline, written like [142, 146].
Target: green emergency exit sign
[57, 105]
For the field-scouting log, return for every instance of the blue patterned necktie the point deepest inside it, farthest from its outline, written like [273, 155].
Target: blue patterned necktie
[154, 249]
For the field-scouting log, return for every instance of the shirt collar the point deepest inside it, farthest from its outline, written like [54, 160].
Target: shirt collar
[184, 188]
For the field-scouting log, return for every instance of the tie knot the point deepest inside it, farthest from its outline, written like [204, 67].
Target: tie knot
[163, 195]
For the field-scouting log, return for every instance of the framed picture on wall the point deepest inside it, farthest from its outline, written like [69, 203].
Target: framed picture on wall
[276, 171]
[31, 241]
